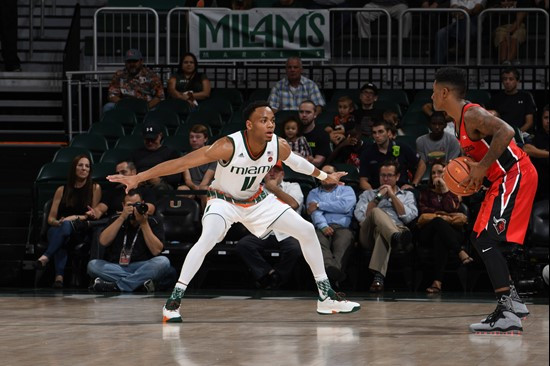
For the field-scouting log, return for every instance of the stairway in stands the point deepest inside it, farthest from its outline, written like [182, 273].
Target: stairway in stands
[31, 123]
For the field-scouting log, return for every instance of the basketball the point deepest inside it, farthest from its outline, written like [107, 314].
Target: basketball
[455, 172]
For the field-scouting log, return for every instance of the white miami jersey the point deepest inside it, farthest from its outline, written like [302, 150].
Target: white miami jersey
[241, 176]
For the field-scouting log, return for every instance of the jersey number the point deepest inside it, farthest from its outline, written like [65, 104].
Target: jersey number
[248, 182]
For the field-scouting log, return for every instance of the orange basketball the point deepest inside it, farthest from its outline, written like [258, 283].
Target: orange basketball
[455, 172]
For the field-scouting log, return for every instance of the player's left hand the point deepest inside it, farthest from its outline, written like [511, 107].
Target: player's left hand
[334, 178]
[477, 174]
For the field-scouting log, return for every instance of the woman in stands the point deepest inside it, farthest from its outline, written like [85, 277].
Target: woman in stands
[187, 84]
[69, 206]
[441, 224]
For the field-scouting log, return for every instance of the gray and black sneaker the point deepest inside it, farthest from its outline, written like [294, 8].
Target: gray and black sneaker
[101, 285]
[501, 321]
[149, 285]
[517, 304]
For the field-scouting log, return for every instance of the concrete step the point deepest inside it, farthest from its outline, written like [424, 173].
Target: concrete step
[30, 118]
[30, 103]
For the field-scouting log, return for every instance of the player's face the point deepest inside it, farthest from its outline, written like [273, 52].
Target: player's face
[262, 123]
[509, 82]
[83, 168]
[545, 121]
[197, 140]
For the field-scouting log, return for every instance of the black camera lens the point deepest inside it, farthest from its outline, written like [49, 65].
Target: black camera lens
[141, 208]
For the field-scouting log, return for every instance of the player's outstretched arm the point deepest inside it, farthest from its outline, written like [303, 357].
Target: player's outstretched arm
[220, 150]
[301, 165]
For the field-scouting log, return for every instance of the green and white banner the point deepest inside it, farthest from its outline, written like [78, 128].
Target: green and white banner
[264, 34]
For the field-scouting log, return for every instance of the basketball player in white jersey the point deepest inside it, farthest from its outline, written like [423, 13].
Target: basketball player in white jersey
[236, 195]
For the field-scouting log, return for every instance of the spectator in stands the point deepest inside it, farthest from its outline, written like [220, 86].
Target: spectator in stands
[508, 37]
[293, 134]
[8, 35]
[133, 242]
[440, 224]
[394, 7]
[198, 178]
[345, 118]
[154, 152]
[514, 106]
[188, 84]
[349, 150]
[315, 135]
[251, 247]
[112, 199]
[383, 215]
[292, 90]
[242, 4]
[331, 209]
[436, 145]
[428, 110]
[135, 81]
[299, 4]
[384, 148]
[543, 4]
[536, 147]
[367, 114]
[69, 206]
[393, 118]
[457, 29]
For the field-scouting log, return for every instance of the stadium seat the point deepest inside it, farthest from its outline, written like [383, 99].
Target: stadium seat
[398, 96]
[229, 129]
[237, 119]
[217, 104]
[281, 116]
[206, 117]
[112, 131]
[261, 94]
[50, 176]
[115, 156]
[416, 105]
[415, 130]
[326, 118]
[408, 140]
[181, 107]
[385, 105]
[138, 130]
[95, 143]
[337, 93]
[414, 118]
[234, 96]
[482, 97]
[424, 94]
[129, 142]
[179, 143]
[306, 182]
[100, 171]
[163, 117]
[67, 154]
[125, 117]
[138, 106]
[352, 178]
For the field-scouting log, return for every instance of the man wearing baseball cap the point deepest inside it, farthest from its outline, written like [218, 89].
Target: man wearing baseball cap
[366, 114]
[154, 152]
[135, 81]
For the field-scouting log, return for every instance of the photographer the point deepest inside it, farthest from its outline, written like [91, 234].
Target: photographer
[133, 243]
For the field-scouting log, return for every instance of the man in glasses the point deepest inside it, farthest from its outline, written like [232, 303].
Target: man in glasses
[383, 214]
[135, 81]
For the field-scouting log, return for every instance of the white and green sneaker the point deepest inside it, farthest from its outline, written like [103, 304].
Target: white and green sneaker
[171, 316]
[335, 303]
[171, 310]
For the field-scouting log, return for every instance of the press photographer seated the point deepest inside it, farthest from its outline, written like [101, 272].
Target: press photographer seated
[133, 242]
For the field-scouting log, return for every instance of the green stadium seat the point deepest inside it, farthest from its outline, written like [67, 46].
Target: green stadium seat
[138, 106]
[95, 143]
[163, 117]
[424, 94]
[408, 140]
[416, 105]
[50, 176]
[352, 178]
[206, 117]
[229, 129]
[326, 118]
[482, 97]
[181, 107]
[115, 156]
[337, 93]
[100, 171]
[129, 142]
[67, 154]
[385, 105]
[125, 117]
[398, 96]
[261, 94]
[415, 130]
[217, 104]
[414, 118]
[178, 143]
[112, 131]
[234, 96]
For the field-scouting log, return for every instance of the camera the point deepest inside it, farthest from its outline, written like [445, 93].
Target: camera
[141, 207]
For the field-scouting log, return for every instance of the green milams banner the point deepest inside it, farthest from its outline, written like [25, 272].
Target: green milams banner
[259, 34]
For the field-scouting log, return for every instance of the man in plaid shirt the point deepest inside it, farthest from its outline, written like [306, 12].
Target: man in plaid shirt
[135, 81]
[289, 92]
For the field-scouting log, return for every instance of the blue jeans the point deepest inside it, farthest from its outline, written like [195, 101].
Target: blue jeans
[57, 237]
[130, 277]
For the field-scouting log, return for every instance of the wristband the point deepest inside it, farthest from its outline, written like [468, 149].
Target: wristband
[378, 197]
[322, 175]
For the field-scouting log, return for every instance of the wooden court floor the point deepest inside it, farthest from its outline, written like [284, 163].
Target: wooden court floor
[89, 329]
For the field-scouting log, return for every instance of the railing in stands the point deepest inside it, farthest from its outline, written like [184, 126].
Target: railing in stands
[71, 54]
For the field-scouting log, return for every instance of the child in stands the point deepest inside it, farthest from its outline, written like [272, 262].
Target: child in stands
[292, 133]
[343, 121]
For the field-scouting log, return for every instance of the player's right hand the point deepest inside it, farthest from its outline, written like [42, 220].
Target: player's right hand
[130, 181]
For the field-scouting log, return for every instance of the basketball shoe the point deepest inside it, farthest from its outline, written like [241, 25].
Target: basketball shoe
[501, 321]
[517, 303]
[335, 303]
[171, 310]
